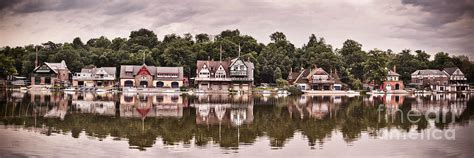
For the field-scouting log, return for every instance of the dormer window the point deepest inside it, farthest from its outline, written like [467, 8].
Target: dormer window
[220, 73]
[204, 73]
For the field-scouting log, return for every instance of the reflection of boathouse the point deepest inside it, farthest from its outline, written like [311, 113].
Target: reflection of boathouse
[58, 101]
[152, 105]
[442, 104]
[392, 102]
[314, 106]
[93, 103]
[232, 110]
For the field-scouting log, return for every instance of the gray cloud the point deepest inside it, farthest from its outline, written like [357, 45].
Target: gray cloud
[446, 23]
[32, 6]
[432, 25]
[444, 11]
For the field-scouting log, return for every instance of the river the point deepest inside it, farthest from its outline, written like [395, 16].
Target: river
[48, 124]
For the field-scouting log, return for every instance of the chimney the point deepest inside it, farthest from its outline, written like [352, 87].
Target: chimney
[394, 68]
[239, 49]
[36, 60]
[220, 53]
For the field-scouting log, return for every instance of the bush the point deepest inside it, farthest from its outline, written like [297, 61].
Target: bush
[294, 91]
[281, 83]
[183, 88]
[357, 84]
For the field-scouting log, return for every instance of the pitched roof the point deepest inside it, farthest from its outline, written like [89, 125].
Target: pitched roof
[171, 70]
[336, 77]
[450, 70]
[302, 77]
[392, 73]
[213, 65]
[428, 72]
[56, 66]
[134, 70]
[108, 70]
[249, 65]
[293, 75]
[316, 71]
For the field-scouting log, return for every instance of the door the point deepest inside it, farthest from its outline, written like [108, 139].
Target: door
[174, 85]
[160, 84]
[128, 83]
[143, 83]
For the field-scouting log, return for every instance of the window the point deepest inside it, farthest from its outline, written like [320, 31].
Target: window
[37, 80]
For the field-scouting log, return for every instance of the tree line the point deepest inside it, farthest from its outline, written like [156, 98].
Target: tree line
[272, 61]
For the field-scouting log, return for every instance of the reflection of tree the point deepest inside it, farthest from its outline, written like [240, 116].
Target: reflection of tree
[351, 116]
[317, 130]
[352, 120]
[276, 123]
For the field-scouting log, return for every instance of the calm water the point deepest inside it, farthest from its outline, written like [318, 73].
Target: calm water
[167, 125]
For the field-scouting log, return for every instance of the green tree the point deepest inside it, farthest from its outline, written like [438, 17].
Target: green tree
[423, 58]
[101, 42]
[277, 74]
[6, 66]
[119, 44]
[442, 60]
[202, 37]
[353, 58]
[278, 36]
[78, 44]
[317, 52]
[375, 67]
[276, 54]
[406, 64]
[143, 37]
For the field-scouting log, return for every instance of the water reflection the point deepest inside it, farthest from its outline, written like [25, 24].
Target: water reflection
[228, 121]
[223, 109]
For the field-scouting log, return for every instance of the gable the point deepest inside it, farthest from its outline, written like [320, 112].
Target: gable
[43, 69]
[204, 68]
[221, 68]
[236, 64]
[458, 72]
[101, 71]
[143, 71]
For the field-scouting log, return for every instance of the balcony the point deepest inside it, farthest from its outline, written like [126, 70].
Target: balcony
[211, 79]
[241, 79]
[322, 81]
[83, 78]
[238, 73]
[458, 84]
[462, 78]
[223, 79]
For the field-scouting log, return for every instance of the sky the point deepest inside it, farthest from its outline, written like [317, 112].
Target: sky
[430, 25]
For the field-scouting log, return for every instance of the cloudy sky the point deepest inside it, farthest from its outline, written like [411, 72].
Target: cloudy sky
[431, 25]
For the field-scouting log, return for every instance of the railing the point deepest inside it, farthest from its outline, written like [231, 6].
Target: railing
[211, 79]
[322, 81]
[242, 79]
[92, 78]
[223, 79]
[458, 78]
[238, 73]
[459, 84]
